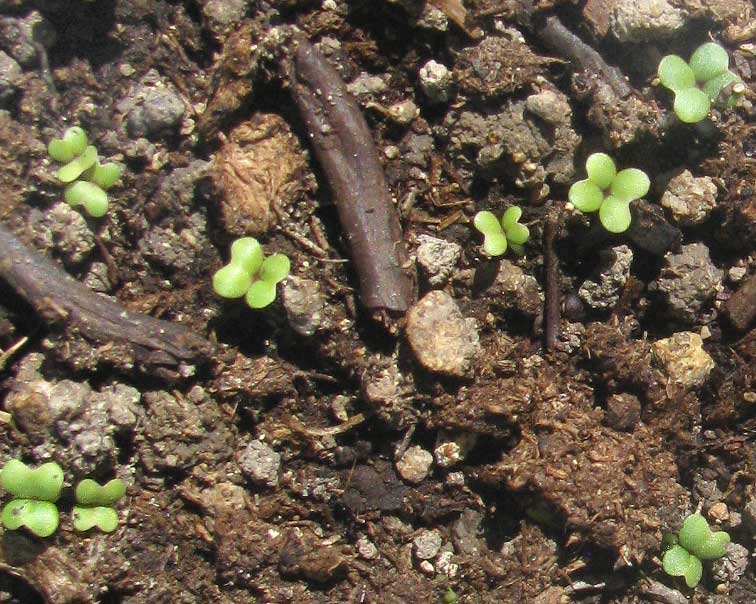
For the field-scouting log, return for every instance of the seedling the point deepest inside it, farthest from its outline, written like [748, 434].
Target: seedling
[609, 192]
[706, 79]
[94, 505]
[497, 236]
[81, 162]
[250, 275]
[695, 542]
[35, 490]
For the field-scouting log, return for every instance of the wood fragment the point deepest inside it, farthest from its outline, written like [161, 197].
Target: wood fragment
[562, 40]
[741, 307]
[59, 298]
[345, 149]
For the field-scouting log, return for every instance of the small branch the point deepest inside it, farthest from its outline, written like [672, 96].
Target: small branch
[345, 149]
[567, 44]
[552, 303]
[59, 298]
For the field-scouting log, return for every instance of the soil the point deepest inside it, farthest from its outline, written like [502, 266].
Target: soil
[310, 451]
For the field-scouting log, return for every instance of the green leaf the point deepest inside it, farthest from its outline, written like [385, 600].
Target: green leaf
[232, 281]
[40, 517]
[614, 214]
[494, 240]
[89, 195]
[694, 572]
[275, 268]
[630, 184]
[73, 169]
[44, 482]
[715, 546]
[516, 233]
[103, 175]
[694, 532]
[717, 84]
[89, 492]
[585, 196]
[73, 143]
[675, 73]
[247, 253]
[691, 105]
[601, 170]
[86, 518]
[261, 294]
[675, 561]
[708, 61]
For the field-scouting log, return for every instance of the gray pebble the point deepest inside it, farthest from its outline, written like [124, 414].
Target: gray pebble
[305, 304]
[10, 76]
[602, 291]
[427, 544]
[436, 81]
[153, 108]
[730, 567]
[414, 465]
[437, 258]
[260, 463]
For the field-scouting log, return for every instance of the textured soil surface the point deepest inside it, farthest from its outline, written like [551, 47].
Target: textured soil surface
[444, 427]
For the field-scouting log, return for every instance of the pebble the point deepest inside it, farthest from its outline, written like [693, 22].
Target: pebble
[305, 305]
[432, 18]
[442, 340]
[623, 411]
[153, 108]
[437, 258]
[427, 544]
[260, 463]
[690, 199]
[10, 76]
[366, 84]
[436, 81]
[414, 466]
[731, 567]
[366, 549]
[223, 15]
[65, 230]
[451, 452]
[603, 290]
[444, 564]
[643, 20]
[689, 280]
[683, 358]
[403, 112]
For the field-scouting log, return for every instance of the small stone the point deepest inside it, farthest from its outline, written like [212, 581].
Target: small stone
[436, 81]
[643, 20]
[71, 235]
[391, 152]
[414, 465]
[731, 567]
[719, 512]
[450, 453]
[304, 303]
[126, 70]
[514, 289]
[437, 258]
[426, 568]
[441, 338]
[623, 411]
[260, 463]
[455, 479]
[465, 532]
[683, 358]
[688, 280]
[603, 290]
[222, 16]
[366, 84]
[427, 544]
[153, 108]
[736, 273]
[551, 107]
[432, 18]
[690, 200]
[366, 549]
[10, 76]
[403, 112]
[444, 564]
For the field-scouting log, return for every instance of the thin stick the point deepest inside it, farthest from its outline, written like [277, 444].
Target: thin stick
[345, 149]
[58, 297]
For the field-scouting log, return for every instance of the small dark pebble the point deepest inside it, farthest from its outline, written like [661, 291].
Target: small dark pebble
[623, 411]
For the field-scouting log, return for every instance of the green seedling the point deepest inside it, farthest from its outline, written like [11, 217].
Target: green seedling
[82, 163]
[39, 517]
[695, 542]
[250, 275]
[35, 490]
[609, 192]
[43, 483]
[706, 79]
[93, 505]
[497, 236]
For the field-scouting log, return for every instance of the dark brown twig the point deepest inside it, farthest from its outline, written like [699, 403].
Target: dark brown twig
[58, 297]
[345, 149]
[562, 40]
[552, 303]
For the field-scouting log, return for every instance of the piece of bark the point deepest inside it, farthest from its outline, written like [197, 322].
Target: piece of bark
[59, 298]
[345, 149]
[741, 307]
[552, 299]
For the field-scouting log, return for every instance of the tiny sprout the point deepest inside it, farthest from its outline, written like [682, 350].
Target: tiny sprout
[248, 274]
[497, 235]
[590, 194]
[94, 501]
[81, 162]
[705, 80]
[43, 483]
[40, 517]
[695, 542]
